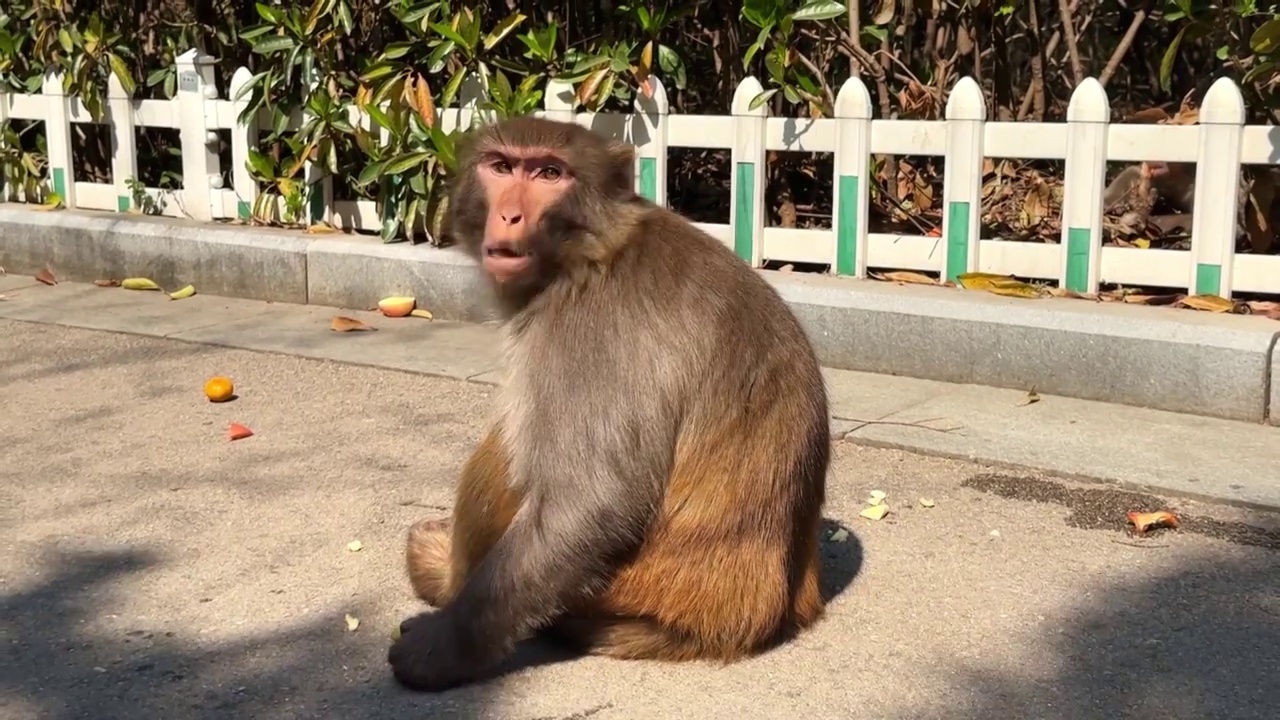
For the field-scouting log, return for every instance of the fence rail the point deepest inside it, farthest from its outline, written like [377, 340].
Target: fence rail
[1219, 145]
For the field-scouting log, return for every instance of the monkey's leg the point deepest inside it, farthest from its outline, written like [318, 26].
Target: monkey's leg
[440, 553]
[724, 575]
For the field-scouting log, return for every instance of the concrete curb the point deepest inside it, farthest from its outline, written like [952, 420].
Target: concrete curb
[1186, 362]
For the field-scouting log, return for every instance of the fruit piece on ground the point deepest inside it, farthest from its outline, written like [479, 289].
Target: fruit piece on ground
[219, 389]
[396, 306]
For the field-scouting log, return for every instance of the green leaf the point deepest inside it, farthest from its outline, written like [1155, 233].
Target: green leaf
[405, 162]
[268, 13]
[379, 70]
[439, 56]
[762, 98]
[261, 165]
[504, 28]
[64, 39]
[819, 10]
[370, 173]
[397, 50]
[121, 71]
[451, 89]
[1266, 39]
[448, 33]
[1170, 55]
[273, 44]
[155, 77]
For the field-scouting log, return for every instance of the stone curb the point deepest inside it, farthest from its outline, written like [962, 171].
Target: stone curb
[1180, 361]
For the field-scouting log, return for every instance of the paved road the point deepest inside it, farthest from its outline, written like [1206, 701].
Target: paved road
[152, 569]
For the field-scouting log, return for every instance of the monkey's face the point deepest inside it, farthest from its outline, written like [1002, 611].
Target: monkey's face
[522, 189]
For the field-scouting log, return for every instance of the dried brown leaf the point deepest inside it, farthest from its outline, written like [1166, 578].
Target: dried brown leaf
[46, 276]
[1209, 303]
[1140, 299]
[107, 283]
[1032, 398]
[905, 276]
[342, 323]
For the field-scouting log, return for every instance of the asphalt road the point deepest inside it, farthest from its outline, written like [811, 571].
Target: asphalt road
[153, 569]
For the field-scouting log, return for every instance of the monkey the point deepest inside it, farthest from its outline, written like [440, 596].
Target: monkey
[652, 482]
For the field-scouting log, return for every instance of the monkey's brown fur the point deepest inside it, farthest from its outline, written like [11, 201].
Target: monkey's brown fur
[699, 543]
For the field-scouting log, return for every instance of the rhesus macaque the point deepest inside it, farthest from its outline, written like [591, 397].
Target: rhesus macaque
[652, 485]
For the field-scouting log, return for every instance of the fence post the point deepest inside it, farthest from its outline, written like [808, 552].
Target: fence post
[199, 160]
[852, 167]
[746, 195]
[1086, 168]
[57, 130]
[1213, 226]
[962, 179]
[124, 154]
[4, 117]
[651, 154]
[243, 137]
[558, 101]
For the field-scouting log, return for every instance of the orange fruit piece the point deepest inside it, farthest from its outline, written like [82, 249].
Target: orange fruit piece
[219, 389]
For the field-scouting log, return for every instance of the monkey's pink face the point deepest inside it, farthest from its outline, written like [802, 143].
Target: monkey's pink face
[519, 186]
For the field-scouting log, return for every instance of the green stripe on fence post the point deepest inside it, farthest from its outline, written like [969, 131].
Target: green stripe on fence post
[122, 203]
[649, 178]
[1078, 246]
[317, 202]
[743, 230]
[957, 240]
[243, 210]
[847, 226]
[1208, 279]
[60, 184]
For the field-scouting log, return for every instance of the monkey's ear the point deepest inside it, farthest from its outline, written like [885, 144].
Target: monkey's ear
[622, 167]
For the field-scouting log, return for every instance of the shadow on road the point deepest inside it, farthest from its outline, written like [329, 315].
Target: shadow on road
[1197, 640]
[62, 662]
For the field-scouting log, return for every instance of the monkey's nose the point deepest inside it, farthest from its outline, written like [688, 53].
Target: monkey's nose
[512, 218]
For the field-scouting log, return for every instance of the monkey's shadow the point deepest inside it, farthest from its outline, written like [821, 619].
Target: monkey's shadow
[841, 563]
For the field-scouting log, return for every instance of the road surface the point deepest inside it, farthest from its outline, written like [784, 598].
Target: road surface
[153, 569]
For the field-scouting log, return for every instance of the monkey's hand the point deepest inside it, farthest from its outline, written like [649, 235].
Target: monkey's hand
[434, 653]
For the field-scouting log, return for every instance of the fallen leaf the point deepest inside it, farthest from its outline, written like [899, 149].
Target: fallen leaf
[1208, 303]
[107, 283]
[353, 622]
[1032, 398]
[840, 535]
[1265, 308]
[341, 323]
[1143, 522]
[981, 280]
[355, 546]
[995, 533]
[419, 312]
[184, 293]
[1015, 288]
[1139, 299]
[139, 284]
[46, 277]
[926, 502]
[321, 228]
[238, 432]
[395, 633]
[879, 494]
[905, 276]
[875, 512]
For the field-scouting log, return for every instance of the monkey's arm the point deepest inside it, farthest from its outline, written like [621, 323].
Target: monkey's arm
[590, 490]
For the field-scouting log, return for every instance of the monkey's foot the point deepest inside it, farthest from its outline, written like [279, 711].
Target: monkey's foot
[427, 557]
[433, 655]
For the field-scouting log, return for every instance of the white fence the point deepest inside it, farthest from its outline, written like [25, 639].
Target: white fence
[1218, 145]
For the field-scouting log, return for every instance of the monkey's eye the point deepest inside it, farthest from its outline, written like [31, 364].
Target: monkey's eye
[502, 167]
[551, 172]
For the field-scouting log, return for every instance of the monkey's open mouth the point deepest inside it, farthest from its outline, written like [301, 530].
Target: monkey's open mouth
[504, 261]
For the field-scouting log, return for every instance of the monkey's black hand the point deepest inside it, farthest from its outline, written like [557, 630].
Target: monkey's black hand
[433, 653]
